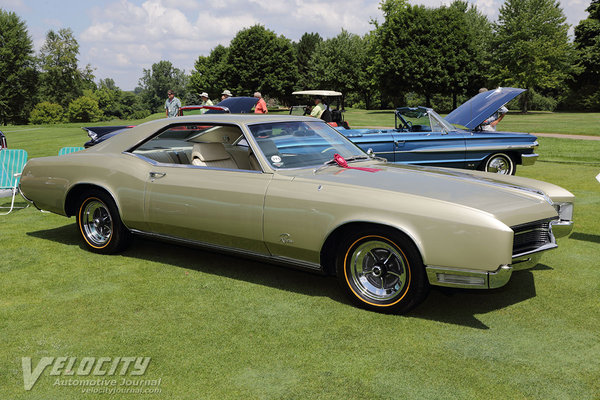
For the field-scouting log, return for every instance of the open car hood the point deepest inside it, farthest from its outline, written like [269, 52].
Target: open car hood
[479, 108]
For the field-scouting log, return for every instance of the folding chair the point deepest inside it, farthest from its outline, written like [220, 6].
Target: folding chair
[11, 165]
[67, 150]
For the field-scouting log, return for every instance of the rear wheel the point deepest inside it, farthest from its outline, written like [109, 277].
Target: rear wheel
[500, 163]
[100, 224]
[381, 271]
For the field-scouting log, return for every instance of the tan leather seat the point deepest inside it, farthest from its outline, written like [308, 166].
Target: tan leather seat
[212, 155]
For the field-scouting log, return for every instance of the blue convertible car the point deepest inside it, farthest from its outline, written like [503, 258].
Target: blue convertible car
[422, 136]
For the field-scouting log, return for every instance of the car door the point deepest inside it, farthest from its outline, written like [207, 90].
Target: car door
[438, 148]
[218, 206]
[380, 141]
[219, 202]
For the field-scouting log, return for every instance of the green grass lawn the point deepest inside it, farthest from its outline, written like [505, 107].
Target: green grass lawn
[220, 327]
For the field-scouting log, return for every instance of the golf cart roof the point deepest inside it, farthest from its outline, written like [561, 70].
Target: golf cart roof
[330, 93]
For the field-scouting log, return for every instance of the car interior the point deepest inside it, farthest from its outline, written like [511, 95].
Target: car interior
[216, 146]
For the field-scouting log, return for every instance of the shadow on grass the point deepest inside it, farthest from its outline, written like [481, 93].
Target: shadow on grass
[448, 305]
[586, 237]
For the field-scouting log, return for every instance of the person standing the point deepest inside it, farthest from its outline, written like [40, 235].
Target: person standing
[226, 94]
[261, 105]
[490, 123]
[172, 105]
[205, 101]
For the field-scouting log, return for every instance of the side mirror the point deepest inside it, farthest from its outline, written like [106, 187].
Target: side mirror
[371, 153]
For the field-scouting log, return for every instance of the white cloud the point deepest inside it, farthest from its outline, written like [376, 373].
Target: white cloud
[125, 36]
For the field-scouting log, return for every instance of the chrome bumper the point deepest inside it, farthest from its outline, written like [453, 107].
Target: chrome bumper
[529, 159]
[469, 279]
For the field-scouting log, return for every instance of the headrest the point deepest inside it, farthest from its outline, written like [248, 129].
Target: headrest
[210, 152]
[267, 146]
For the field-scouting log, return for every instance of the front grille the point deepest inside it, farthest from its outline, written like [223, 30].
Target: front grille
[531, 236]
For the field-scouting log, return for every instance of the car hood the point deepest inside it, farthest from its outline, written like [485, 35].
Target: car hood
[513, 203]
[479, 108]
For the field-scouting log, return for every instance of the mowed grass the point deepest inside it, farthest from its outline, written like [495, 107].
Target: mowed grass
[221, 327]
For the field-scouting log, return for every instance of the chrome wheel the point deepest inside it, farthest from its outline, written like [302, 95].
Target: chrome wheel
[96, 223]
[378, 270]
[500, 164]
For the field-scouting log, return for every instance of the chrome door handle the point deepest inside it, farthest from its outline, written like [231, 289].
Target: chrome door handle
[157, 175]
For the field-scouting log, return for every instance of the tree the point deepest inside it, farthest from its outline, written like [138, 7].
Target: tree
[587, 43]
[340, 64]
[61, 81]
[305, 49]
[209, 74]
[156, 81]
[18, 76]
[463, 35]
[531, 48]
[260, 60]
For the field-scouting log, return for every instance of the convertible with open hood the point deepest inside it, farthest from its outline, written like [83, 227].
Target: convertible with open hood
[421, 136]
[294, 191]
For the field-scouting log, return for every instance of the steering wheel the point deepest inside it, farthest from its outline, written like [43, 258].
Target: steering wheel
[307, 110]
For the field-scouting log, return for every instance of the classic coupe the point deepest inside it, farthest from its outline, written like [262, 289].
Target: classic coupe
[294, 191]
[422, 136]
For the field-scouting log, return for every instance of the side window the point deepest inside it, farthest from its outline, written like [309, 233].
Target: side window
[202, 145]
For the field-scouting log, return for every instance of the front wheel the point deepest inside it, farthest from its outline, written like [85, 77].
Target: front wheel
[381, 271]
[500, 163]
[100, 224]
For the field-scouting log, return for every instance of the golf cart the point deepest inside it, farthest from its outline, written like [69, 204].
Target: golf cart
[333, 116]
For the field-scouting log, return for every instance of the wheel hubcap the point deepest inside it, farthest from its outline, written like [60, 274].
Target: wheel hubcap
[97, 223]
[378, 270]
[499, 166]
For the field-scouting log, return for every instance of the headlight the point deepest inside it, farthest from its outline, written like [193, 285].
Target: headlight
[564, 210]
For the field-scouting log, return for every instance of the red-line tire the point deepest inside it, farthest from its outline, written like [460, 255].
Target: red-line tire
[381, 271]
[100, 225]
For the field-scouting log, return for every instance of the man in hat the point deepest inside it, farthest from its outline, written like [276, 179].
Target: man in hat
[261, 105]
[226, 94]
[172, 105]
[205, 101]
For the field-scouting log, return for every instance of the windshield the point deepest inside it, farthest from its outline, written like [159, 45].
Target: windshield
[298, 144]
[422, 119]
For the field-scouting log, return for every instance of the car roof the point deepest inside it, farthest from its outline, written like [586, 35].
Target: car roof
[317, 93]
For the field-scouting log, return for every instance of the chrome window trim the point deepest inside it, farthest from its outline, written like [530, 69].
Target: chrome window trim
[160, 164]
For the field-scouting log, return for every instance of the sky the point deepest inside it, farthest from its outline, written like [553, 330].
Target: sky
[119, 38]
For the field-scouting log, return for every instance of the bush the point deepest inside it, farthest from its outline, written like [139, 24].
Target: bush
[140, 114]
[47, 113]
[84, 109]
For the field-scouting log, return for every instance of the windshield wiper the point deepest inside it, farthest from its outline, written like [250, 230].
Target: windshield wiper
[333, 162]
[325, 164]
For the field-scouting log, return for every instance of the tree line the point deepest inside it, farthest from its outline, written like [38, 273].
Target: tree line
[416, 56]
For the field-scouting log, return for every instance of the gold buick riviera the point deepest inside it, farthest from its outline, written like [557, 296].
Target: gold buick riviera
[293, 191]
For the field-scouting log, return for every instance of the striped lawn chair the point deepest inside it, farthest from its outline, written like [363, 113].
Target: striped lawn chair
[67, 150]
[11, 165]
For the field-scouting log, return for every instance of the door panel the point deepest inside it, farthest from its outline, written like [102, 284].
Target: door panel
[430, 148]
[217, 206]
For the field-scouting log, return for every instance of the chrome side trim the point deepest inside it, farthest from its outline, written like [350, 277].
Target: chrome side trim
[468, 279]
[299, 264]
[503, 147]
